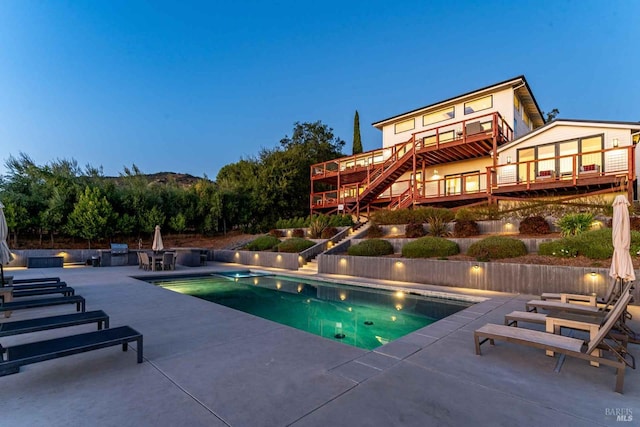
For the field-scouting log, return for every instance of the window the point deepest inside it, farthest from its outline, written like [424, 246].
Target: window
[516, 104]
[526, 155]
[442, 137]
[438, 116]
[526, 120]
[478, 104]
[405, 126]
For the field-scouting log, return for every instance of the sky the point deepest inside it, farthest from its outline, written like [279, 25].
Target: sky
[190, 87]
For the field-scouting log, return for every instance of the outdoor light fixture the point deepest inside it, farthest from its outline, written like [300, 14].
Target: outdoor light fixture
[594, 274]
[476, 267]
[615, 142]
[508, 159]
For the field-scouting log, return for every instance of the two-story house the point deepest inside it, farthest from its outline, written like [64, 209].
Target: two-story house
[484, 146]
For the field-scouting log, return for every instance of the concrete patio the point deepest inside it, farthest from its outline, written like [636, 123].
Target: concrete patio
[209, 365]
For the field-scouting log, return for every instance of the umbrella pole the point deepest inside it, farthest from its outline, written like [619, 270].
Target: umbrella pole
[1, 275]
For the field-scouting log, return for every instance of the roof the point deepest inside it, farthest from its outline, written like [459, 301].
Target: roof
[513, 81]
[556, 122]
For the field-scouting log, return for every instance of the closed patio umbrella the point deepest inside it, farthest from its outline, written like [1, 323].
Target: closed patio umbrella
[621, 263]
[5, 255]
[157, 245]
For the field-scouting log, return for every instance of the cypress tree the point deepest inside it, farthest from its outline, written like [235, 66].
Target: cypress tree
[357, 142]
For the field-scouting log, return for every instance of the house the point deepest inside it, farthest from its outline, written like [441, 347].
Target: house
[490, 145]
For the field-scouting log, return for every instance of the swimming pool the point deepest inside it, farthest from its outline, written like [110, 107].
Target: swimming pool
[363, 317]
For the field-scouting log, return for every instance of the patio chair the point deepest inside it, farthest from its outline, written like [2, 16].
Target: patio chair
[145, 261]
[42, 285]
[614, 344]
[167, 260]
[54, 322]
[19, 355]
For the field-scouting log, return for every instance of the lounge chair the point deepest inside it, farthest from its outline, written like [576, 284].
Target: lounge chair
[36, 280]
[590, 307]
[591, 299]
[54, 322]
[46, 285]
[44, 302]
[604, 339]
[25, 354]
[66, 291]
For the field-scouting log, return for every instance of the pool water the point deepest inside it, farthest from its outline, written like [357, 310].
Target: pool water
[362, 317]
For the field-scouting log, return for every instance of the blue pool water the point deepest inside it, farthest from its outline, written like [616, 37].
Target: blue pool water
[358, 316]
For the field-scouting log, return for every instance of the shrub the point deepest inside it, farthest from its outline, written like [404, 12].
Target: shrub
[317, 225]
[295, 245]
[371, 247]
[634, 223]
[263, 243]
[465, 228]
[276, 232]
[573, 224]
[427, 247]
[405, 216]
[413, 230]
[496, 247]
[594, 244]
[534, 225]
[465, 214]
[374, 231]
[329, 232]
[437, 226]
[298, 232]
[340, 220]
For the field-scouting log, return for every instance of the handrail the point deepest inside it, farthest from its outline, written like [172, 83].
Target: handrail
[323, 246]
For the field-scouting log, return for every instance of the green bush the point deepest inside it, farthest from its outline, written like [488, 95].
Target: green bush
[534, 225]
[405, 216]
[413, 230]
[295, 245]
[594, 244]
[465, 228]
[317, 225]
[374, 231]
[438, 226]
[263, 243]
[371, 247]
[573, 224]
[465, 214]
[496, 247]
[429, 246]
[329, 232]
[299, 222]
[298, 232]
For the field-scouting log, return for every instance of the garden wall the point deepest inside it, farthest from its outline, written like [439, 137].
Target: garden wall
[70, 256]
[263, 259]
[464, 243]
[531, 279]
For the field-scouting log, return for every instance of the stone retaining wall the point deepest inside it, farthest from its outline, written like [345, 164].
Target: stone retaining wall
[263, 259]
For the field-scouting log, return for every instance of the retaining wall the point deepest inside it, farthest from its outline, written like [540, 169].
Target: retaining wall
[529, 279]
[532, 244]
[263, 259]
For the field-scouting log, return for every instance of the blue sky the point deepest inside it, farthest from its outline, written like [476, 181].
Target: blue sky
[192, 86]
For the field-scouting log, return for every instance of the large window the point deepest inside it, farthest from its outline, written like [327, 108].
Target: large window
[405, 126]
[478, 104]
[438, 116]
[516, 104]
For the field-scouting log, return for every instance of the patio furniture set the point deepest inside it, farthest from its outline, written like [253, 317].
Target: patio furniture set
[157, 261]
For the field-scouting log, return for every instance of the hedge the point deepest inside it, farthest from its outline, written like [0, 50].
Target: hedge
[496, 247]
[427, 247]
[263, 243]
[295, 245]
[371, 247]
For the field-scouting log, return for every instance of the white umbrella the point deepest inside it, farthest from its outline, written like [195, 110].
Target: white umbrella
[5, 254]
[157, 240]
[621, 263]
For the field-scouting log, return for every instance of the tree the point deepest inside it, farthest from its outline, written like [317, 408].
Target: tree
[90, 215]
[551, 115]
[357, 142]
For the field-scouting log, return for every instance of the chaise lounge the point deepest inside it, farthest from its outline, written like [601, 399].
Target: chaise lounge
[43, 302]
[604, 339]
[54, 322]
[16, 356]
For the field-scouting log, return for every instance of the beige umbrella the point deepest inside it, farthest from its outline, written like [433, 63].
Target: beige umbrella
[621, 263]
[157, 245]
[5, 254]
